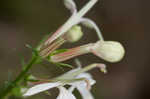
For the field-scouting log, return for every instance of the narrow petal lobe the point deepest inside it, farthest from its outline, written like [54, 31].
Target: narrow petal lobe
[40, 87]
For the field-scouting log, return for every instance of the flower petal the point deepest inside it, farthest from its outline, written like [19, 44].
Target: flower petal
[70, 4]
[68, 74]
[88, 76]
[65, 94]
[91, 24]
[82, 86]
[41, 87]
[85, 93]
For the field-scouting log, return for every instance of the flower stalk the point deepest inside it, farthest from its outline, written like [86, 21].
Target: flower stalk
[19, 78]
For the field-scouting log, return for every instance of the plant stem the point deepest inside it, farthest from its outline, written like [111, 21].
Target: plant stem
[14, 83]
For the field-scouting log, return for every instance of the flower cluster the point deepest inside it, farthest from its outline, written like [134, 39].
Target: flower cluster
[76, 78]
[111, 51]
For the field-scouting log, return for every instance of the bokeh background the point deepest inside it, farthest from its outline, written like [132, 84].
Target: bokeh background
[27, 21]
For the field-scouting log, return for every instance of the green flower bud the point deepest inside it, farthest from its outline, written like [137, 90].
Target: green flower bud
[74, 34]
[110, 51]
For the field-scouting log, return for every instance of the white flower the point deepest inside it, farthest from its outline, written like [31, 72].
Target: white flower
[77, 78]
[80, 85]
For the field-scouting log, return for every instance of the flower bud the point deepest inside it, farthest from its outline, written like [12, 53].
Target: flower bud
[110, 51]
[74, 34]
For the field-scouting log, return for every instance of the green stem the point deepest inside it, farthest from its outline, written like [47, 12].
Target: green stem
[13, 84]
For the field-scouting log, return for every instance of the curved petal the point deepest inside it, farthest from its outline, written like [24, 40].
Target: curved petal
[69, 73]
[88, 77]
[70, 4]
[82, 86]
[85, 93]
[40, 87]
[65, 94]
[72, 71]
[91, 24]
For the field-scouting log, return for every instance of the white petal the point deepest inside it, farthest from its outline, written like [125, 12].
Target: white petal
[68, 74]
[85, 93]
[70, 4]
[82, 85]
[91, 24]
[65, 94]
[41, 87]
[71, 89]
[73, 70]
[88, 77]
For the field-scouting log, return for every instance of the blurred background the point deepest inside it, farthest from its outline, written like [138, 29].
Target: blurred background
[27, 21]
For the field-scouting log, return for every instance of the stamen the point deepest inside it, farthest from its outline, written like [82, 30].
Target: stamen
[92, 24]
[88, 84]
[85, 69]
[89, 67]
